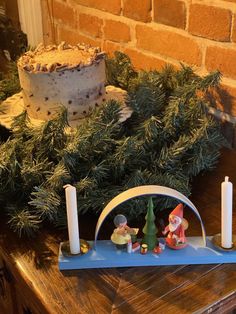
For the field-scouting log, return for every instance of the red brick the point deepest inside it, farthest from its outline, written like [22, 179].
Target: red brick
[169, 44]
[74, 37]
[234, 29]
[116, 31]
[223, 59]
[64, 14]
[90, 24]
[170, 12]
[113, 6]
[210, 22]
[109, 47]
[224, 98]
[139, 10]
[142, 61]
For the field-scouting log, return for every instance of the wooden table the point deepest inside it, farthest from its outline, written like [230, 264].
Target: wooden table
[30, 281]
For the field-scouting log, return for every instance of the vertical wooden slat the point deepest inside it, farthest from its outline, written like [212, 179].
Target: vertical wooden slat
[31, 20]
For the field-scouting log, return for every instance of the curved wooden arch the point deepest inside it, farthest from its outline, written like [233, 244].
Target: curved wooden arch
[141, 191]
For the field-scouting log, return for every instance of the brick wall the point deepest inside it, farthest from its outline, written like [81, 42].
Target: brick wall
[155, 32]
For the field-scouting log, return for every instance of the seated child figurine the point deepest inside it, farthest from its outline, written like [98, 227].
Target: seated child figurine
[122, 234]
[176, 229]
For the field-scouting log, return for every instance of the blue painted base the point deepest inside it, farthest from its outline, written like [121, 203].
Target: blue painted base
[106, 256]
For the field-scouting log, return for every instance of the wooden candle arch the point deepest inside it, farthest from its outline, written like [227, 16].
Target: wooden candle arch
[142, 191]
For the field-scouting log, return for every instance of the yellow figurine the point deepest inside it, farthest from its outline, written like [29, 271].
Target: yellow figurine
[122, 233]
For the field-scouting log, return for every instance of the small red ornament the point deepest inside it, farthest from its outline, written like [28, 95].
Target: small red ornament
[135, 247]
[157, 250]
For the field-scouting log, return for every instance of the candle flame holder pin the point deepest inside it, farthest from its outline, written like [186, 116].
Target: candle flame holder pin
[84, 248]
[216, 241]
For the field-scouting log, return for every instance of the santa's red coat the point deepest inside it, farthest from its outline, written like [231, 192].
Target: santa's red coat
[174, 236]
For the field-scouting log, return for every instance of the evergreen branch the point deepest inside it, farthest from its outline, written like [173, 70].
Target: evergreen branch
[129, 152]
[9, 84]
[50, 138]
[33, 173]
[146, 96]
[96, 200]
[9, 167]
[137, 178]
[204, 151]
[119, 70]
[189, 89]
[110, 112]
[150, 129]
[99, 172]
[168, 139]
[167, 79]
[170, 157]
[174, 117]
[211, 80]
[85, 184]
[58, 177]
[45, 202]
[185, 75]
[24, 222]
[20, 124]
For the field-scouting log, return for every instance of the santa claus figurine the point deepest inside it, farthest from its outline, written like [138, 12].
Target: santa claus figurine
[176, 229]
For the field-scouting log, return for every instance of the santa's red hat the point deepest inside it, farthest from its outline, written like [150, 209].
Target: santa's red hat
[178, 211]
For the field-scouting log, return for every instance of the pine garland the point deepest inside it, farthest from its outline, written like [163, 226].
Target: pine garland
[9, 83]
[168, 140]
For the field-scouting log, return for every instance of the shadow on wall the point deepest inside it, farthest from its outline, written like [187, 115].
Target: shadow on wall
[219, 97]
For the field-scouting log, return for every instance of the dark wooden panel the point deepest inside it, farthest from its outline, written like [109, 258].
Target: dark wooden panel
[160, 293]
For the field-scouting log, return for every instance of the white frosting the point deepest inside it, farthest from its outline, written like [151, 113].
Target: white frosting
[63, 75]
[14, 105]
[77, 89]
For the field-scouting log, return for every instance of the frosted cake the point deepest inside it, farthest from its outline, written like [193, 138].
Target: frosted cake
[72, 76]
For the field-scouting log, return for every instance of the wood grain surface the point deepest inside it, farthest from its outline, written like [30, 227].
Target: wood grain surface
[33, 267]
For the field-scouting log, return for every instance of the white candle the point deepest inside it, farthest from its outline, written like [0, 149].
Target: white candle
[226, 213]
[72, 219]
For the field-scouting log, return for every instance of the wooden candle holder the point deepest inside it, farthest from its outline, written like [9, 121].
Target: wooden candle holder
[104, 254]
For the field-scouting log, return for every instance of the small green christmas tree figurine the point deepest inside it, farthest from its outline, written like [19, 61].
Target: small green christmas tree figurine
[150, 228]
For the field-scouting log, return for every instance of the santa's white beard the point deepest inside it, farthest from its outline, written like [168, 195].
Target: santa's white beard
[173, 226]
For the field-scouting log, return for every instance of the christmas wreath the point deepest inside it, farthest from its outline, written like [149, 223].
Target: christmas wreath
[169, 139]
